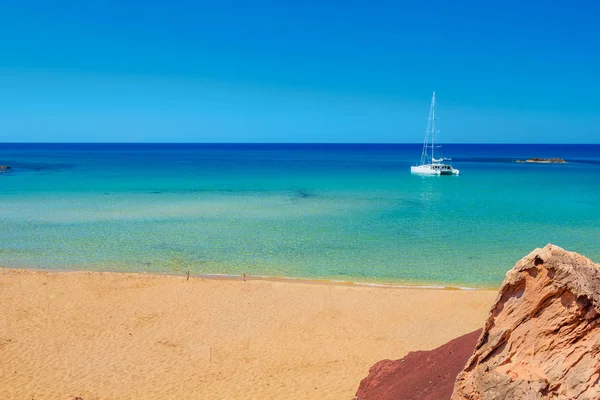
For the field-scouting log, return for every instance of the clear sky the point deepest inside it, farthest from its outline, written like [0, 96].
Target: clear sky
[299, 71]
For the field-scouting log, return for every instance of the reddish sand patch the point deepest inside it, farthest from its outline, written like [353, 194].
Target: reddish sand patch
[424, 375]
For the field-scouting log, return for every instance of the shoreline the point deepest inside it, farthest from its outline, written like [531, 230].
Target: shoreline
[284, 279]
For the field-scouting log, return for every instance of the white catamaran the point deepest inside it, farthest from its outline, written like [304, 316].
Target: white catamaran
[430, 165]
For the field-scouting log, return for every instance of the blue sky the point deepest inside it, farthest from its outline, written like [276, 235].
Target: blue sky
[299, 71]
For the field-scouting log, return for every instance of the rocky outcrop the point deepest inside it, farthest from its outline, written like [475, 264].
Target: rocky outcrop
[4, 168]
[543, 160]
[424, 375]
[542, 338]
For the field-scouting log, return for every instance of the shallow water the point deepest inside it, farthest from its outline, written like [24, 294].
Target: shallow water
[346, 212]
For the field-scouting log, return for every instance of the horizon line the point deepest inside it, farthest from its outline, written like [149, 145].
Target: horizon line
[306, 143]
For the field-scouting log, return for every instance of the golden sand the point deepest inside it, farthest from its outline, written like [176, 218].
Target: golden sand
[135, 336]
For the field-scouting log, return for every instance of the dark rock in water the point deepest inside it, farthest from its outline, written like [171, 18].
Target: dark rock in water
[301, 193]
[423, 375]
[4, 168]
[543, 160]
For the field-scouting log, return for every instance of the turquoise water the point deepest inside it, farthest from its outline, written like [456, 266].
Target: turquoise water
[345, 212]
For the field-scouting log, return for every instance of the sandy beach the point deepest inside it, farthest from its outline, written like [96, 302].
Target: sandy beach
[137, 336]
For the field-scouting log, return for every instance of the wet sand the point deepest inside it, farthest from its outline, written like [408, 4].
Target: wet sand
[132, 336]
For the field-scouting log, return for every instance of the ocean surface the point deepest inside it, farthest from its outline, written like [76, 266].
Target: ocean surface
[339, 212]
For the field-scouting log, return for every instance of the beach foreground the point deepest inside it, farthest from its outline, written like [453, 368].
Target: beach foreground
[130, 336]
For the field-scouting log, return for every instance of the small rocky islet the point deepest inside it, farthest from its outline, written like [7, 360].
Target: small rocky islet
[4, 168]
[539, 160]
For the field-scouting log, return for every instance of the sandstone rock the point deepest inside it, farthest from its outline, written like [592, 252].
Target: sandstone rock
[542, 337]
[423, 375]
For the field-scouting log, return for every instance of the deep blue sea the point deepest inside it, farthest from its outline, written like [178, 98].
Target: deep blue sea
[342, 212]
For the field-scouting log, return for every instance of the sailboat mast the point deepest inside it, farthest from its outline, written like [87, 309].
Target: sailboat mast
[432, 128]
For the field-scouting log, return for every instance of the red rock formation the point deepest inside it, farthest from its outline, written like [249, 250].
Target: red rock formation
[424, 375]
[542, 337]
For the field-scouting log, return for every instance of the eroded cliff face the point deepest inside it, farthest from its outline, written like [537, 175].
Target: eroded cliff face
[542, 337]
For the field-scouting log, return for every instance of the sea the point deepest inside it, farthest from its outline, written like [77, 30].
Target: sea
[335, 212]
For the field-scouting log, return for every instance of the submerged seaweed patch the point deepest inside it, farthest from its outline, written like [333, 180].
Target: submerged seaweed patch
[17, 165]
[302, 193]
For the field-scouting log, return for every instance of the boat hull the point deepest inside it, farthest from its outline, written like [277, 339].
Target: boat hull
[435, 169]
